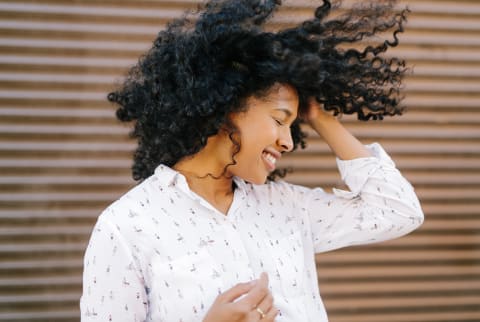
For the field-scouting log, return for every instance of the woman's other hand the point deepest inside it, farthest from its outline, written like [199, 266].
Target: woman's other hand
[245, 302]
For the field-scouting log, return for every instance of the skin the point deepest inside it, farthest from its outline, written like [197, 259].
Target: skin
[264, 126]
[239, 303]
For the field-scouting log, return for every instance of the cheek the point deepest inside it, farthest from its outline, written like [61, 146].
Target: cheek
[259, 139]
[252, 148]
[256, 136]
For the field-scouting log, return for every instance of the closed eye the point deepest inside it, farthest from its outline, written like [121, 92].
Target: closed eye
[278, 122]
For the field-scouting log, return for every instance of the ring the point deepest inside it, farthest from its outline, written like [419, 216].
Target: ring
[259, 310]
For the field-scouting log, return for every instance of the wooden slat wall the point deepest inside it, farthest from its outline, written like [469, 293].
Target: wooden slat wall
[63, 158]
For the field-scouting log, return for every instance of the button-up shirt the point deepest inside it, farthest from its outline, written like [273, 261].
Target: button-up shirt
[163, 253]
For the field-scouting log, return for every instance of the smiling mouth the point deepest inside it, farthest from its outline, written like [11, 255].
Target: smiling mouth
[270, 160]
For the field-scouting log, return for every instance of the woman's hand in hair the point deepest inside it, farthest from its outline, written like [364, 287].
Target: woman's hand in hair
[339, 139]
[245, 302]
[316, 113]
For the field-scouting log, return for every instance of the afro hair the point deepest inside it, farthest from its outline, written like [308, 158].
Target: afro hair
[203, 66]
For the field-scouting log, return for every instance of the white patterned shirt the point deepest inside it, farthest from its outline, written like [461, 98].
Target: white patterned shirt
[162, 253]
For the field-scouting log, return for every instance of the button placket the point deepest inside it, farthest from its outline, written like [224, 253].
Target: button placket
[240, 263]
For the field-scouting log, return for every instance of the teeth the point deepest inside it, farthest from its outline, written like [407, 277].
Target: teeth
[270, 158]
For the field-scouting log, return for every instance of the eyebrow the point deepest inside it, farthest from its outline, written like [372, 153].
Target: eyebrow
[286, 111]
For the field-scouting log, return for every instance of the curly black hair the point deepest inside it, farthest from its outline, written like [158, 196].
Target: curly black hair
[204, 65]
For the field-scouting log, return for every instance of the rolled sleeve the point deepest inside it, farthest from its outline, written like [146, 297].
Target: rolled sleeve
[380, 205]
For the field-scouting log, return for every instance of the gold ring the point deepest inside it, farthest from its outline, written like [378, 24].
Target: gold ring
[259, 310]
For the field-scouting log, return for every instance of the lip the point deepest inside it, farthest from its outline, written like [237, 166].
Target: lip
[277, 155]
[271, 166]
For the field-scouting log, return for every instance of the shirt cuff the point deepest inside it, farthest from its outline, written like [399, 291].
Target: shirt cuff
[355, 173]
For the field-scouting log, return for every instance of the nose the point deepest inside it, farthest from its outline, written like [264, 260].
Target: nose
[285, 140]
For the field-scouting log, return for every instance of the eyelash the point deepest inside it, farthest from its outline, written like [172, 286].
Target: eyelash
[278, 122]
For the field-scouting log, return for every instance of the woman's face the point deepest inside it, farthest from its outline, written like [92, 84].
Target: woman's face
[264, 133]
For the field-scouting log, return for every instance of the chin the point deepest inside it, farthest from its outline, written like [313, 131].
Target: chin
[255, 177]
[259, 182]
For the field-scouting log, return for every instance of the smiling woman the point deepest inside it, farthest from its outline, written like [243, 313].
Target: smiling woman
[262, 134]
[208, 234]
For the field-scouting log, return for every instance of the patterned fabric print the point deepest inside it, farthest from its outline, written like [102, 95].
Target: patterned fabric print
[162, 253]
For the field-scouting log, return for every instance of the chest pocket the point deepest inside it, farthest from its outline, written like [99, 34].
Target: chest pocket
[286, 261]
[184, 289]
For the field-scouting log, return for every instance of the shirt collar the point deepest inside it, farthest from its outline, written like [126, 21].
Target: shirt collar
[170, 177]
[166, 175]
[240, 183]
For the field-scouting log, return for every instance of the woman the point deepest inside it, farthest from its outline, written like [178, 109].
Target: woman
[208, 234]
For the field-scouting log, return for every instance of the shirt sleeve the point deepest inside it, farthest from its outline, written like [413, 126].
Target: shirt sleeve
[113, 288]
[380, 205]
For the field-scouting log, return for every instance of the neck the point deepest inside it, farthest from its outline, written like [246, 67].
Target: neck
[204, 177]
[204, 172]
[206, 183]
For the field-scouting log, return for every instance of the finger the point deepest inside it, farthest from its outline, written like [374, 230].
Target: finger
[257, 293]
[271, 315]
[235, 292]
[266, 304]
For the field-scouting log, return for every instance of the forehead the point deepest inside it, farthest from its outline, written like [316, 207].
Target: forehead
[283, 96]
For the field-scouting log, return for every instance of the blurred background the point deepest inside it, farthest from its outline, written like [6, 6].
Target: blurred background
[63, 157]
